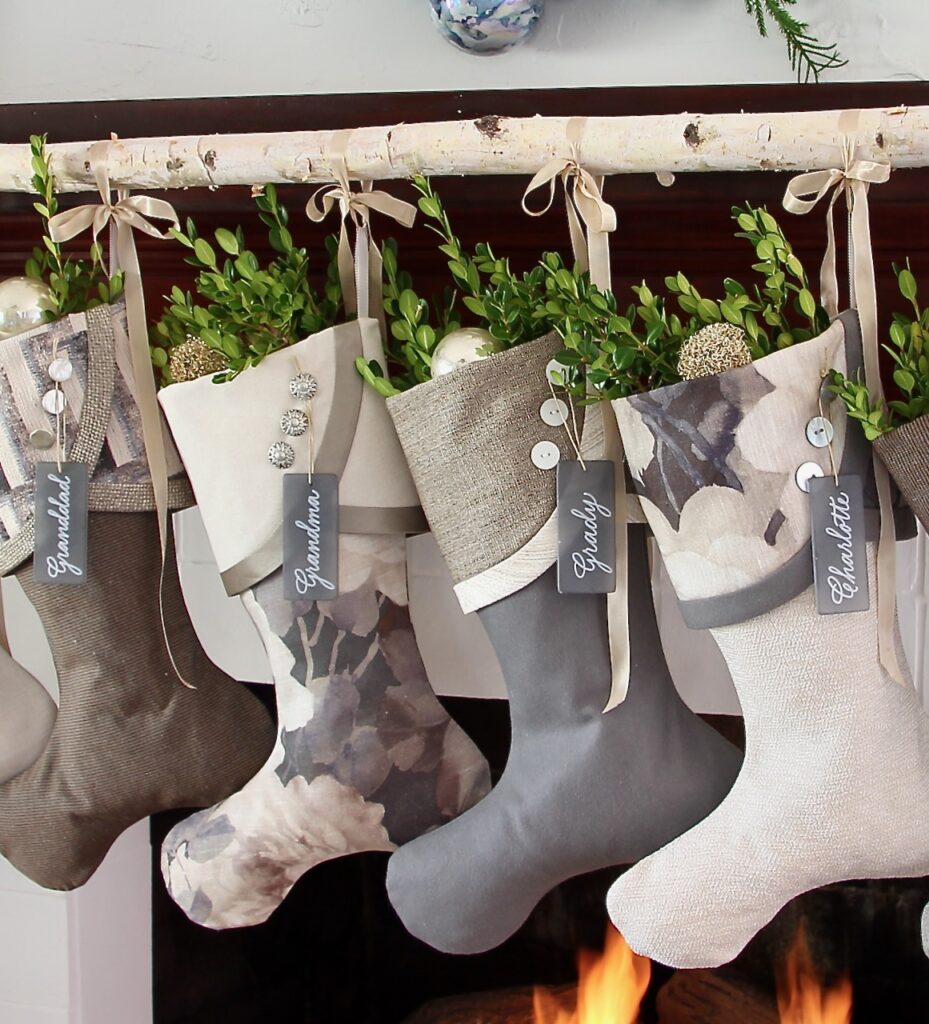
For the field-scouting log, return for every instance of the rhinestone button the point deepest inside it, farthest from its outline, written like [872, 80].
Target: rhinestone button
[554, 366]
[805, 473]
[294, 422]
[554, 412]
[545, 455]
[41, 439]
[281, 455]
[60, 369]
[819, 432]
[53, 402]
[304, 386]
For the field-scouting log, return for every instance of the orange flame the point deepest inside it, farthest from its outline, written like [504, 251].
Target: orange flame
[801, 997]
[610, 988]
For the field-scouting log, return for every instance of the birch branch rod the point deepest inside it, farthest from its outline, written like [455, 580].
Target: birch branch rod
[497, 145]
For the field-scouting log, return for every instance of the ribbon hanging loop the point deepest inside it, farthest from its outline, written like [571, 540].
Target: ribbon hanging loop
[362, 291]
[853, 180]
[128, 214]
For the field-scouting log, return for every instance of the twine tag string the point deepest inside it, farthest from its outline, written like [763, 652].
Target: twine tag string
[573, 435]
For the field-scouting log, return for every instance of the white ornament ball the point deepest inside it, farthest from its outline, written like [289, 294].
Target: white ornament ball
[23, 300]
[466, 345]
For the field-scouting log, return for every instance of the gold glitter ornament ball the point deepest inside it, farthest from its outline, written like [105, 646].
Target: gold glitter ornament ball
[713, 349]
[192, 359]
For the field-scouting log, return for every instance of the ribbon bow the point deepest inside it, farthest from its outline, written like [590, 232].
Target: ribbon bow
[585, 205]
[853, 180]
[361, 278]
[128, 213]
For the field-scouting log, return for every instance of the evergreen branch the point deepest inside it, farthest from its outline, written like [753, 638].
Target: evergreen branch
[808, 56]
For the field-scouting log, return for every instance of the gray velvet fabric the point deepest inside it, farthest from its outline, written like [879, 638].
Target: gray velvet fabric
[26, 720]
[582, 790]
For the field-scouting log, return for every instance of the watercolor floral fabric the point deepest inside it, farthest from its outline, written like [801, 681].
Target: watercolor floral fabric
[366, 757]
[714, 462]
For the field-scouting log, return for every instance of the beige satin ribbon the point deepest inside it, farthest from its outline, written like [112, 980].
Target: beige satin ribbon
[590, 218]
[853, 180]
[590, 221]
[127, 214]
[357, 207]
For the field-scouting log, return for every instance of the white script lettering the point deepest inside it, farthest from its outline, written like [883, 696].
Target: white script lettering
[841, 580]
[309, 578]
[60, 510]
[586, 560]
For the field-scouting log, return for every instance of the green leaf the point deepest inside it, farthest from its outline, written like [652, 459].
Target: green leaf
[409, 305]
[227, 241]
[904, 380]
[807, 303]
[907, 284]
[204, 252]
[179, 235]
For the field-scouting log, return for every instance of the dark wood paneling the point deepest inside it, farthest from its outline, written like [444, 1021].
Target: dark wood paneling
[661, 230]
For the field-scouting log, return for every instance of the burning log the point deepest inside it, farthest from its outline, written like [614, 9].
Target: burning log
[713, 997]
[506, 1006]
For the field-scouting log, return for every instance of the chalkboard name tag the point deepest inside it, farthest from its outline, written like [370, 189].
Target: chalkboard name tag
[311, 537]
[840, 561]
[586, 528]
[60, 554]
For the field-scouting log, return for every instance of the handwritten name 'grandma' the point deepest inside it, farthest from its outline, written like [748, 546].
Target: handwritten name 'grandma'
[842, 580]
[310, 578]
[59, 508]
[587, 559]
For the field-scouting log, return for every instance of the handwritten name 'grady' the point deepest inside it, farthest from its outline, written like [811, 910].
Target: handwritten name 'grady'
[60, 510]
[842, 580]
[587, 559]
[310, 578]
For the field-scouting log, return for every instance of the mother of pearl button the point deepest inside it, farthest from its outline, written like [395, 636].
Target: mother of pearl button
[60, 369]
[53, 402]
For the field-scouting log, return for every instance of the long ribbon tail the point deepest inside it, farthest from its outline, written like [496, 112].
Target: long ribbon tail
[617, 603]
[866, 298]
[147, 401]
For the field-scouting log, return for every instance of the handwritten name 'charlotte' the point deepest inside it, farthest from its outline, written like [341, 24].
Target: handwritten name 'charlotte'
[842, 580]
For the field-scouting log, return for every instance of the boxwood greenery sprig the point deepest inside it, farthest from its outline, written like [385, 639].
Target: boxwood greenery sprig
[611, 355]
[909, 350]
[607, 353]
[75, 285]
[249, 311]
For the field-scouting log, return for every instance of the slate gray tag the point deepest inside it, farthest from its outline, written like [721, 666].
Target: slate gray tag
[60, 554]
[840, 562]
[311, 537]
[586, 528]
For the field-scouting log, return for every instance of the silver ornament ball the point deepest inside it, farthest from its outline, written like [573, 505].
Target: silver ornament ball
[466, 345]
[23, 301]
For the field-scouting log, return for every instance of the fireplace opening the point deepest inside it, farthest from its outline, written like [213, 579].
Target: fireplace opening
[336, 953]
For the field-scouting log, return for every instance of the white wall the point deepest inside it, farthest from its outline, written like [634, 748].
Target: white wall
[96, 49]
